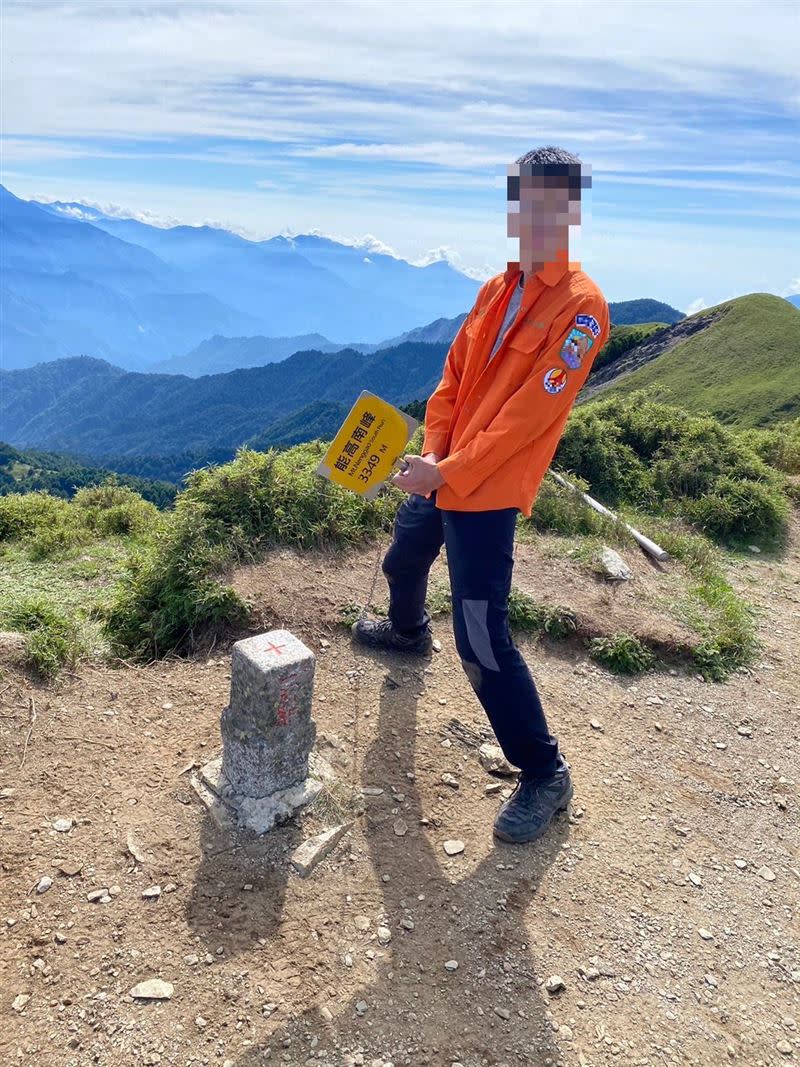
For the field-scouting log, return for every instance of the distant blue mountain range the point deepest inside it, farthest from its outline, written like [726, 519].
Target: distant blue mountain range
[78, 282]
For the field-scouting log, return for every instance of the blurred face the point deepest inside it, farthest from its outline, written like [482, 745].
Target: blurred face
[541, 209]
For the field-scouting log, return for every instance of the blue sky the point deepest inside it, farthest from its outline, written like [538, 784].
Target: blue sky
[398, 121]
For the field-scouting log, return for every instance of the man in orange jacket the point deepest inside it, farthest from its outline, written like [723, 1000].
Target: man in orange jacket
[491, 428]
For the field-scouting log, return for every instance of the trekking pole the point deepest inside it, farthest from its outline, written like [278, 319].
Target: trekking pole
[650, 547]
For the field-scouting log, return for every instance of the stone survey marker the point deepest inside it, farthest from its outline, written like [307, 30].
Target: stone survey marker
[267, 734]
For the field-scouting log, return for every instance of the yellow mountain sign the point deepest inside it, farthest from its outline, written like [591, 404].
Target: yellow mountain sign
[372, 439]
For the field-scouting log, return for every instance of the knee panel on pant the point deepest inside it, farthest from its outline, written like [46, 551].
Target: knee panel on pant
[471, 629]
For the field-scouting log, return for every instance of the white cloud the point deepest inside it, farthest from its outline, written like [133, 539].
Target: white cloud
[696, 305]
[793, 289]
[113, 211]
[449, 255]
[280, 70]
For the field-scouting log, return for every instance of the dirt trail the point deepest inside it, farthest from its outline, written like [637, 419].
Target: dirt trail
[667, 900]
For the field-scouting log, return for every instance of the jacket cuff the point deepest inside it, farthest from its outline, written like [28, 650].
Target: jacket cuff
[459, 474]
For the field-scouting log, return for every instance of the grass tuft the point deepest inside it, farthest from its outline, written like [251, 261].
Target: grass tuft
[622, 653]
[52, 637]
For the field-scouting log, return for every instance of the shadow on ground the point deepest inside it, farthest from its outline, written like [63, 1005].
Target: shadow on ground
[416, 1012]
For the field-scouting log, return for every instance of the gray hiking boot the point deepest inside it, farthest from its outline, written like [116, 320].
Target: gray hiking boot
[528, 811]
[381, 634]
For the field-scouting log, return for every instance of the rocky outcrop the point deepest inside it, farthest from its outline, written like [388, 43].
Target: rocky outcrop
[646, 352]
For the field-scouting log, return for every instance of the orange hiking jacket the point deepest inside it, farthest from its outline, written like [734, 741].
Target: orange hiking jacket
[497, 423]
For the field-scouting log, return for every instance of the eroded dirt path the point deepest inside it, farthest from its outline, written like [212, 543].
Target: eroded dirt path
[667, 900]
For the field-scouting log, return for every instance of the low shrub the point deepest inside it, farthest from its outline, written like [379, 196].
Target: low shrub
[659, 458]
[52, 638]
[734, 510]
[24, 515]
[524, 613]
[57, 541]
[110, 509]
[779, 446]
[622, 653]
[228, 514]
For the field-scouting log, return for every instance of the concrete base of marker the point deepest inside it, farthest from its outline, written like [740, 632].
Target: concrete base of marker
[259, 814]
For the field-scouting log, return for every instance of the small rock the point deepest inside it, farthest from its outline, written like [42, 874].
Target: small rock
[361, 1006]
[384, 935]
[504, 1013]
[313, 851]
[326, 1013]
[745, 731]
[44, 884]
[784, 1047]
[63, 826]
[361, 923]
[695, 879]
[191, 960]
[595, 724]
[493, 760]
[134, 847]
[152, 989]
[493, 787]
[70, 867]
[95, 896]
[705, 934]
[454, 847]
[613, 566]
[166, 706]
[754, 548]
[451, 965]
[450, 779]
[20, 1000]
[153, 892]
[766, 873]
[407, 924]
[200, 1022]
[555, 983]
[437, 645]
[741, 864]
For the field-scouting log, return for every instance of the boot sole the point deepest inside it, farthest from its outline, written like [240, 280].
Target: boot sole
[501, 835]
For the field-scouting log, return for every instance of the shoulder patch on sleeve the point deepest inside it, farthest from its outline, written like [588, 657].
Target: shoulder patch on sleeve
[576, 344]
[590, 322]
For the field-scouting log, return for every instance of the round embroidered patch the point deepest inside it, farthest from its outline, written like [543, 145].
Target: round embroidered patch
[555, 380]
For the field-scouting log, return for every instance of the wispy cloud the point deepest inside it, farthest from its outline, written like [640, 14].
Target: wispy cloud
[398, 120]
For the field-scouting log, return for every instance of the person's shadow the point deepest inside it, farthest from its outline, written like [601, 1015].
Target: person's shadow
[490, 1010]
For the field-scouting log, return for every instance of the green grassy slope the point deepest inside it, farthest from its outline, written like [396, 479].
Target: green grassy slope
[744, 368]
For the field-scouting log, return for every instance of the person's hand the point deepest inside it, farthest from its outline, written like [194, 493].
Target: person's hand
[420, 476]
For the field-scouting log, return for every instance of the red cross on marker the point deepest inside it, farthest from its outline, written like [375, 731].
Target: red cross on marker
[274, 648]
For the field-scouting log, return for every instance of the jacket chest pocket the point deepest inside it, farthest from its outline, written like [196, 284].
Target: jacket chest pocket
[528, 342]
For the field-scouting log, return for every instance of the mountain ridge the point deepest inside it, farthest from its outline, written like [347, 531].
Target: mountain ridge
[738, 360]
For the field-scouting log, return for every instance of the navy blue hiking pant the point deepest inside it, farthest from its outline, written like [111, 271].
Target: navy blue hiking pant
[480, 558]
